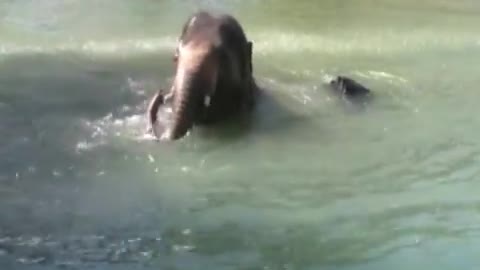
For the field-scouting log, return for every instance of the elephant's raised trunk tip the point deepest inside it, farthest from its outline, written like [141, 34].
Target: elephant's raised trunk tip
[153, 107]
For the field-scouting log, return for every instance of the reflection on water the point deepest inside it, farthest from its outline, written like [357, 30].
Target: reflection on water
[306, 183]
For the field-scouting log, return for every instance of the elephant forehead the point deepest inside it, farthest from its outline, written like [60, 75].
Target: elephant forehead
[202, 26]
[196, 49]
[206, 40]
[192, 52]
[194, 57]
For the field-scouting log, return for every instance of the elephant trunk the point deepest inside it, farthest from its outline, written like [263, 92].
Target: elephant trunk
[192, 89]
[194, 84]
[185, 105]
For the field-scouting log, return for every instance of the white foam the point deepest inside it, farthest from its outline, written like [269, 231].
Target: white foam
[84, 146]
[383, 74]
[265, 42]
[128, 127]
[327, 78]
[114, 47]
[377, 42]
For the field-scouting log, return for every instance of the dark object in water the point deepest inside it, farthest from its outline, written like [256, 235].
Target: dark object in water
[350, 89]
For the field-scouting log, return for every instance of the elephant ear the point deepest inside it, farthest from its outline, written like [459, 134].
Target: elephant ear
[249, 56]
[249, 81]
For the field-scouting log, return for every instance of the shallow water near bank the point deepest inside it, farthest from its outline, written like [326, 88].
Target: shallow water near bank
[309, 182]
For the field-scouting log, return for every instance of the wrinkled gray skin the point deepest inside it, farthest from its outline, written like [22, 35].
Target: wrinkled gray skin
[213, 78]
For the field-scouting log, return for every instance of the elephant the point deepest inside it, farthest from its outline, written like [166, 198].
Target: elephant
[213, 75]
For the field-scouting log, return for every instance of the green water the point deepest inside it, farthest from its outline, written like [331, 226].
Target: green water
[307, 183]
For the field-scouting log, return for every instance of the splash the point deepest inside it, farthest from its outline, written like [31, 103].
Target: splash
[92, 47]
[128, 122]
[376, 42]
[266, 43]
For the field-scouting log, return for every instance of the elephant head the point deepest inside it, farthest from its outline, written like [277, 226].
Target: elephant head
[213, 71]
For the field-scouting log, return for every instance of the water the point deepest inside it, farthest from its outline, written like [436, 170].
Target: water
[308, 183]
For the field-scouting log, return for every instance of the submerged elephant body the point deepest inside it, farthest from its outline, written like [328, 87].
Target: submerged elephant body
[213, 78]
[349, 88]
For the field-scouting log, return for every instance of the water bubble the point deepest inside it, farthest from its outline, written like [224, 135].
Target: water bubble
[417, 240]
[147, 254]
[56, 173]
[34, 241]
[183, 248]
[119, 255]
[24, 260]
[134, 244]
[117, 122]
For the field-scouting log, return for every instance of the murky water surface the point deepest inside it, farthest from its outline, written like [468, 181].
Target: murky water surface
[308, 183]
